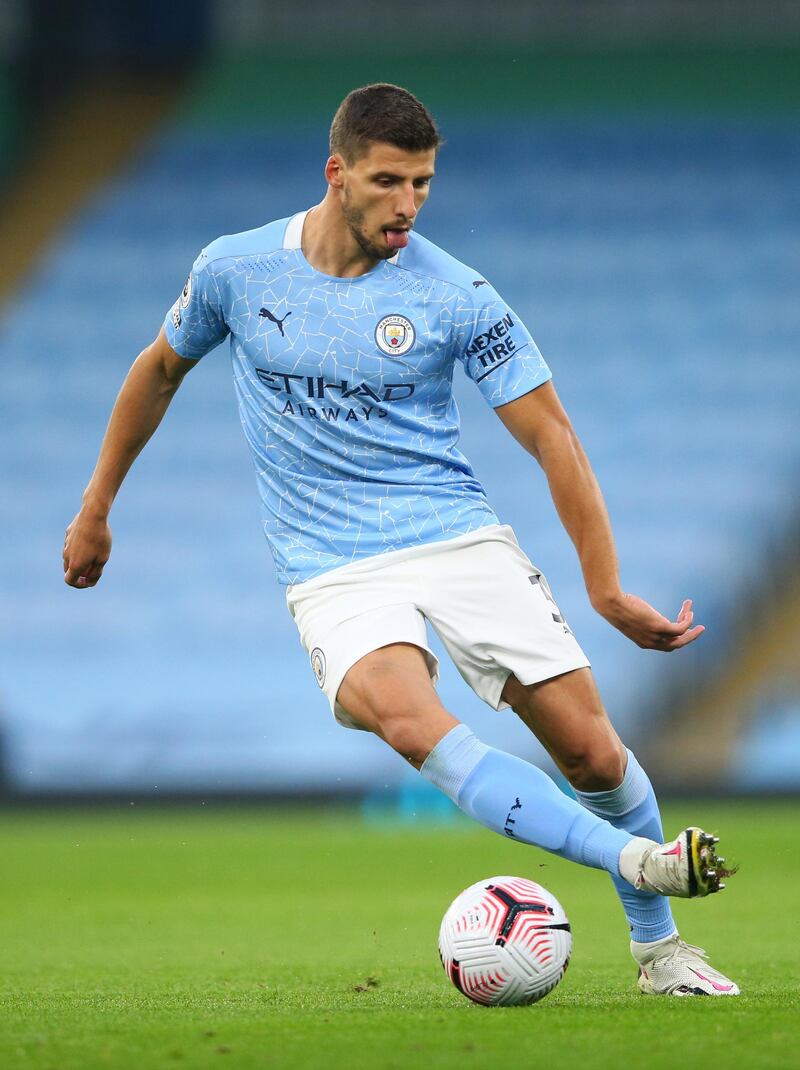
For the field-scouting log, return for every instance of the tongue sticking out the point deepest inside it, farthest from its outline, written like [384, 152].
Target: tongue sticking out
[397, 239]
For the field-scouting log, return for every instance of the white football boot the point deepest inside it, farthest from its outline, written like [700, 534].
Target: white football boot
[671, 967]
[687, 866]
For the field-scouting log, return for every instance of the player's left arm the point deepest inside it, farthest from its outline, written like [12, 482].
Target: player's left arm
[539, 423]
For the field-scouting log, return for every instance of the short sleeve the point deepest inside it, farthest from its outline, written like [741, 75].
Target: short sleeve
[196, 323]
[496, 349]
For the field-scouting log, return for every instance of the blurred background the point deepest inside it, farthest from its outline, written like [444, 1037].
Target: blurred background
[627, 175]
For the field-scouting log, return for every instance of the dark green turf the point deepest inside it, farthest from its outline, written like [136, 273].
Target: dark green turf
[203, 938]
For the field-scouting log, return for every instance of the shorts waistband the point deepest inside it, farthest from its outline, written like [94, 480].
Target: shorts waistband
[488, 532]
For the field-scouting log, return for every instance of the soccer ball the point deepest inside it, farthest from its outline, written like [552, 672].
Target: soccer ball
[505, 940]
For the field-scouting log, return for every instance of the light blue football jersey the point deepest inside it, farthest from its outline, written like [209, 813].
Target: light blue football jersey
[345, 389]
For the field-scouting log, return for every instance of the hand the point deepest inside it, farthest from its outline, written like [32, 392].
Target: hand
[647, 627]
[87, 548]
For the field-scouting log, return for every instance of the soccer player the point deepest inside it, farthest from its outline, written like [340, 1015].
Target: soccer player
[345, 330]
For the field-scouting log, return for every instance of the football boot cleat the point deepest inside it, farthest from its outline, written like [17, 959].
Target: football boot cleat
[687, 866]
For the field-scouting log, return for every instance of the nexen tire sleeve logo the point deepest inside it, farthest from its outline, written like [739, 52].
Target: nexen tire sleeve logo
[494, 347]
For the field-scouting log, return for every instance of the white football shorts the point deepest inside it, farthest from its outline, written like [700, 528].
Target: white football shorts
[489, 605]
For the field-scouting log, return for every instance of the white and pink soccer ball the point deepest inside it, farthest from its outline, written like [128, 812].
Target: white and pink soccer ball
[506, 941]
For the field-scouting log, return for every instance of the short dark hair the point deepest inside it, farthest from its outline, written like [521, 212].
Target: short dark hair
[381, 112]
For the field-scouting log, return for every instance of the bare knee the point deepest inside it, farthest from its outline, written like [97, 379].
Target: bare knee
[407, 735]
[567, 716]
[598, 766]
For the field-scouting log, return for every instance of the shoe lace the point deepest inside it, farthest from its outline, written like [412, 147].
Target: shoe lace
[677, 950]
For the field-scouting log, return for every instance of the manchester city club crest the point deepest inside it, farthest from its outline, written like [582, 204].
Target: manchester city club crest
[395, 335]
[318, 665]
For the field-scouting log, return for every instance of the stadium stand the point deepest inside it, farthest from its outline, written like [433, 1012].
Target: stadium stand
[652, 260]
[93, 131]
[767, 754]
[9, 119]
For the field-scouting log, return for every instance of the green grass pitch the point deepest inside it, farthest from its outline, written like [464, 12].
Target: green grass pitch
[203, 937]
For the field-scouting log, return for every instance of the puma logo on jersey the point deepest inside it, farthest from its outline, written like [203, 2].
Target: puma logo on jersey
[479, 282]
[266, 314]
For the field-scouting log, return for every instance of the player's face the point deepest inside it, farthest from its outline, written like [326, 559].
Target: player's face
[381, 193]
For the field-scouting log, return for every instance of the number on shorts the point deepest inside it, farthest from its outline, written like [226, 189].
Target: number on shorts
[537, 579]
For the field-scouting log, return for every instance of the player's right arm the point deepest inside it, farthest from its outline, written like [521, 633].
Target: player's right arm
[193, 326]
[146, 393]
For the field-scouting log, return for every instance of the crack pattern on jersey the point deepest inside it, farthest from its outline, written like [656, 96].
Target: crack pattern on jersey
[345, 390]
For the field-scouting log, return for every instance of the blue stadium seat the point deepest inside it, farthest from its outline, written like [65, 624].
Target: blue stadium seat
[767, 757]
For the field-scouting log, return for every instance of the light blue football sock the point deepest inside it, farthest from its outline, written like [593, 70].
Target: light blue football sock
[516, 799]
[633, 807]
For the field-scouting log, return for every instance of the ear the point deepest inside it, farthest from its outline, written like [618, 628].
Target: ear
[334, 171]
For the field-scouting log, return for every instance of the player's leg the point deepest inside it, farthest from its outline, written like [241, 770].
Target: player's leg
[495, 613]
[389, 692]
[366, 638]
[567, 715]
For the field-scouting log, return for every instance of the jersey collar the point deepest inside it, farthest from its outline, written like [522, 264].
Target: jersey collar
[293, 235]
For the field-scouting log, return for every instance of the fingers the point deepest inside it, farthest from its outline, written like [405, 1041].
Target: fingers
[87, 548]
[683, 622]
[668, 644]
[83, 575]
[76, 577]
[681, 633]
[656, 632]
[82, 581]
[686, 638]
